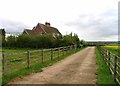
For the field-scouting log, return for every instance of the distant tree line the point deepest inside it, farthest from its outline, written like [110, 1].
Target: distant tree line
[42, 41]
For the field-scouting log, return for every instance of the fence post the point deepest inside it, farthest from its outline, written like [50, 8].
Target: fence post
[51, 53]
[106, 52]
[109, 59]
[106, 56]
[42, 55]
[58, 51]
[115, 65]
[63, 50]
[75, 48]
[71, 47]
[66, 50]
[28, 58]
[3, 62]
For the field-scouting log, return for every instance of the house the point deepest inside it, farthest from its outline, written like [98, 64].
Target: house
[42, 29]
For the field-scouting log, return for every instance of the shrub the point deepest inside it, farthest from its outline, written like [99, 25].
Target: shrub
[41, 41]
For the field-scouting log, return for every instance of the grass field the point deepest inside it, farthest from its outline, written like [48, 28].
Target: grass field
[16, 59]
[113, 49]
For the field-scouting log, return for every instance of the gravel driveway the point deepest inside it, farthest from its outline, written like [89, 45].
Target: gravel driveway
[79, 68]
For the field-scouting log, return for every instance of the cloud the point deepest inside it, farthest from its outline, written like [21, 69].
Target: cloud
[98, 27]
[12, 26]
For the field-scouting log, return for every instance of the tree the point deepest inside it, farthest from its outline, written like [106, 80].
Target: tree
[11, 41]
[68, 40]
[82, 42]
[57, 41]
[77, 40]
[23, 41]
[42, 41]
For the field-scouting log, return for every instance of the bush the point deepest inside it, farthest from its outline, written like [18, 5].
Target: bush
[41, 41]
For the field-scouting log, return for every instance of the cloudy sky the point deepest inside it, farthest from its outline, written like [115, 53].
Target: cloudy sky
[92, 20]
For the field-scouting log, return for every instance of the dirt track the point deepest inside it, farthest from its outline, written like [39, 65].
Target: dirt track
[79, 68]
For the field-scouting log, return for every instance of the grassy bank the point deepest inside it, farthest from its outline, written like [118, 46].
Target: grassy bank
[35, 68]
[104, 76]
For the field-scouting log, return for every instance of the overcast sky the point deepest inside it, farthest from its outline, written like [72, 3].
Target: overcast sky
[92, 20]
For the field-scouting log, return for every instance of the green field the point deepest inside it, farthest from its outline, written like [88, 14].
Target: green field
[113, 49]
[16, 59]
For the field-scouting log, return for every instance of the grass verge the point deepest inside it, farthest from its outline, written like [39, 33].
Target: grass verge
[104, 76]
[35, 68]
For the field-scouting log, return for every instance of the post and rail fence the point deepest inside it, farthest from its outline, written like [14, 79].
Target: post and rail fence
[112, 61]
[13, 62]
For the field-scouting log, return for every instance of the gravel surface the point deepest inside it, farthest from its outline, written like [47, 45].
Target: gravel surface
[79, 68]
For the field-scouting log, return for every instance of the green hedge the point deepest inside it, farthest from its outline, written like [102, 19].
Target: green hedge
[40, 41]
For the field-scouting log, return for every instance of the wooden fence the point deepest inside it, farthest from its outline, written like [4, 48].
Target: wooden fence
[112, 61]
[13, 62]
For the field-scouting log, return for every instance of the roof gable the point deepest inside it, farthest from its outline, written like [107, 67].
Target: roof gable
[28, 32]
[49, 29]
[41, 29]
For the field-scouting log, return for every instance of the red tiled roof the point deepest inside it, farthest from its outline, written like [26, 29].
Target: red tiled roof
[47, 29]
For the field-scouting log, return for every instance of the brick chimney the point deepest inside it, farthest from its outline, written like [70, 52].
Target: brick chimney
[47, 24]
